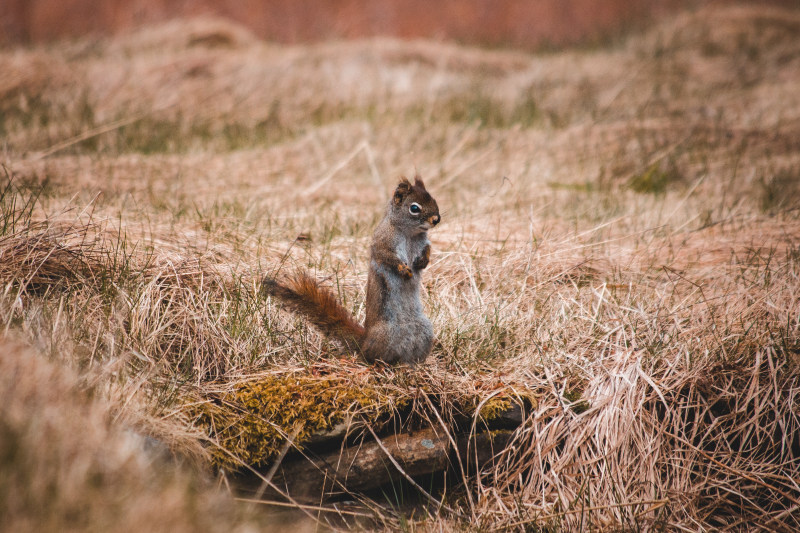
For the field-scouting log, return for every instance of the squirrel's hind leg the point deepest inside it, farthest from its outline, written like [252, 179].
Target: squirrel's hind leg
[377, 345]
[391, 344]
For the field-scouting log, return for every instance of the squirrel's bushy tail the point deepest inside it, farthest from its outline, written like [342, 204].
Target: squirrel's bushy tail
[305, 296]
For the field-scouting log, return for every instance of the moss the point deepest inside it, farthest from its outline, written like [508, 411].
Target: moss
[577, 403]
[494, 407]
[250, 424]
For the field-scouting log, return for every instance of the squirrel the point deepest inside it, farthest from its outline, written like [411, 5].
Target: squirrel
[396, 328]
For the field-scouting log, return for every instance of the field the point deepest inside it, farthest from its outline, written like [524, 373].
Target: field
[619, 252]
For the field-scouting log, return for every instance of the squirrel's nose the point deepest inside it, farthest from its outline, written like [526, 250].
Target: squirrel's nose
[434, 220]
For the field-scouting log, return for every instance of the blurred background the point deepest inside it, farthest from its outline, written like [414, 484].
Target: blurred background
[516, 23]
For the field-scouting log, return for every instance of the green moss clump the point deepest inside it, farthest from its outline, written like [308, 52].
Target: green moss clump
[577, 403]
[499, 404]
[494, 407]
[251, 423]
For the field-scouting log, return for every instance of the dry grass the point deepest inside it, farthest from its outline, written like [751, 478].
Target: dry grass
[620, 242]
[66, 467]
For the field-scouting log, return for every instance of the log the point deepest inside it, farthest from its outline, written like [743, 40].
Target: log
[366, 466]
[340, 461]
[478, 452]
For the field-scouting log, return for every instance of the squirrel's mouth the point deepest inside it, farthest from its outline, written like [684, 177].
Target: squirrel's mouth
[428, 223]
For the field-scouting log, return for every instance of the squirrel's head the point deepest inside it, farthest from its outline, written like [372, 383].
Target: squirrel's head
[413, 207]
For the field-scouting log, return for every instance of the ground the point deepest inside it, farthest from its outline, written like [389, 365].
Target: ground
[620, 245]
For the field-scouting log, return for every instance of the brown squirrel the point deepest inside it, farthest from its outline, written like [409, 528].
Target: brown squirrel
[395, 329]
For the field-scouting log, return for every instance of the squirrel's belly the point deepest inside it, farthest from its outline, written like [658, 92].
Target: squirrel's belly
[403, 333]
[401, 301]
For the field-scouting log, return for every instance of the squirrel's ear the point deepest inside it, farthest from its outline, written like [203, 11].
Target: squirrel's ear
[418, 182]
[403, 189]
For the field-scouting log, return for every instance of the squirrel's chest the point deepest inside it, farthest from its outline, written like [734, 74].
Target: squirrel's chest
[407, 250]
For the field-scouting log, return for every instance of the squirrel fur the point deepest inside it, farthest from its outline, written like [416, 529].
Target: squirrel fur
[396, 329]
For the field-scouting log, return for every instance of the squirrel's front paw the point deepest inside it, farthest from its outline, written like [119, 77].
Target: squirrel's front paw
[423, 260]
[404, 271]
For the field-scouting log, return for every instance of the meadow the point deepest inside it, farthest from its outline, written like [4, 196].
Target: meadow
[619, 253]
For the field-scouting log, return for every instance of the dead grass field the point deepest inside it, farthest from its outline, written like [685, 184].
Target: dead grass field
[620, 245]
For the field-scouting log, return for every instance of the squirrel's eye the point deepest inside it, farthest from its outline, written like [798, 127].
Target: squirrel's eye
[415, 209]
